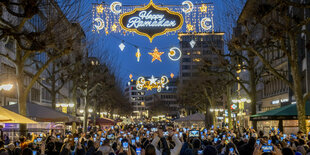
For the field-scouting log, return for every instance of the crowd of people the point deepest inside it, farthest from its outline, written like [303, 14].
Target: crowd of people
[160, 140]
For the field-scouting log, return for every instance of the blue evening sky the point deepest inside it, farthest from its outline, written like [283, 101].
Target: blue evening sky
[125, 62]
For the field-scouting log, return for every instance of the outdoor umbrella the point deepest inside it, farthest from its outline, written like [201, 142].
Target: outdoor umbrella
[7, 116]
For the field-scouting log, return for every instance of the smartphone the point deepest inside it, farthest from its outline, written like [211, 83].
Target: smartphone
[133, 141]
[120, 139]
[85, 144]
[194, 133]
[147, 132]
[34, 141]
[100, 143]
[177, 135]
[202, 137]
[229, 138]
[215, 140]
[95, 135]
[125, 146]
[257, 141]
[41, 135]
[102, 139]
[231, 150]
[247, 136]
[212, 126]
[76, 139]
[269, 142]
[166, 133]
[282, 138]
[94, 139]
[309, 133]
[112, 127]
[138, 151]
[34, 152]
[137, 139]
[17, 144]
[288, 143]
[102, 134]
[267, 148]
[39, 140]
[200, 152]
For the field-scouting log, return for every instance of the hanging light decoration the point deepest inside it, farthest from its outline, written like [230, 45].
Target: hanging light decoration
[122, 46]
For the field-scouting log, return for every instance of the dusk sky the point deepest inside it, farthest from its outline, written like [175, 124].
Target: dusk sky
[126, 63]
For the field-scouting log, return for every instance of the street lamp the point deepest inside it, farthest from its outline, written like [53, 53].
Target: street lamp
[240, 102]
[90, 110]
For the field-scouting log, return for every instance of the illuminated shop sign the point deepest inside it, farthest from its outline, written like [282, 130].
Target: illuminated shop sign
[278, 101]
[151, 21]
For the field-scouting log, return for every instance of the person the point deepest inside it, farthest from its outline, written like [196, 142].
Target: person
[175, 151]
[106, 149]
[150, 150]
[66, 149]
[210, 150]
[11, 148]
[27, 151]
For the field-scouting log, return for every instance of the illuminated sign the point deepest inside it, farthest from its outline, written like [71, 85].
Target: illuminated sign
[152, 83]
[151, 21]
[278, 101]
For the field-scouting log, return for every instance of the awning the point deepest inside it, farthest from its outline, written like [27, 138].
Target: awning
[104, 121]
[41, 113]
[193, 117]
[7, 116]
[288, 112]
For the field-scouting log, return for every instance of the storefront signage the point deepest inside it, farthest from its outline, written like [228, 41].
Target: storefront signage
[151, 21]
[278, 101]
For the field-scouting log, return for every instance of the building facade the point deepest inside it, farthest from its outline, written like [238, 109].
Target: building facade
[137, 99]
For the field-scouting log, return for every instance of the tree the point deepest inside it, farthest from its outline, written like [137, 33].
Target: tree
[204, 92]
[33, 33]
[277, 27]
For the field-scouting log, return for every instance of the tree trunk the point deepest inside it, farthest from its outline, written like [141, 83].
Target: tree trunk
[53, 95]
[85, 113]
[253, 90]
[73, 99]
[22, 96]
[230, 126]
[301, 105]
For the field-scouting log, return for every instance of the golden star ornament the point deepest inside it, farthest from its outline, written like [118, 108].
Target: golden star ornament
[156, 55]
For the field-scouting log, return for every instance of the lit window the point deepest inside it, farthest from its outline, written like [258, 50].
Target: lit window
[196, 60]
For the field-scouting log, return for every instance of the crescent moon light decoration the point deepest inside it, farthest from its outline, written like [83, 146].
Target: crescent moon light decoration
[100, 24]
[173, 52]
[113, 7]
[190, 6]
[206, 23]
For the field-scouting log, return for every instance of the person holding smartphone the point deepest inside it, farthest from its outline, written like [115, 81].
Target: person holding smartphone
[105, 148]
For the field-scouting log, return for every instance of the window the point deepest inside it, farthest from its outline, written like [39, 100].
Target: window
[186, 60]
[186, 67]
[35, 94]
[186, 74]
[196, 60]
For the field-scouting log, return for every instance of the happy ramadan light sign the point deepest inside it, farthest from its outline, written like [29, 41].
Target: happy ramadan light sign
[151, 21]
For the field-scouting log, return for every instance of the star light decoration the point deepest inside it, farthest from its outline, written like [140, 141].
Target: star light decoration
[138, 55]
[156, 55]
[152, 83]
[130, 76]
[172, 75]
[114, 27]
[99, 9]
[203, 8]
[189, 27]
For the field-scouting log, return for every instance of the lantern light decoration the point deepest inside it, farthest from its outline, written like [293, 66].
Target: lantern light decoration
[192, 43]
[122, 46]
